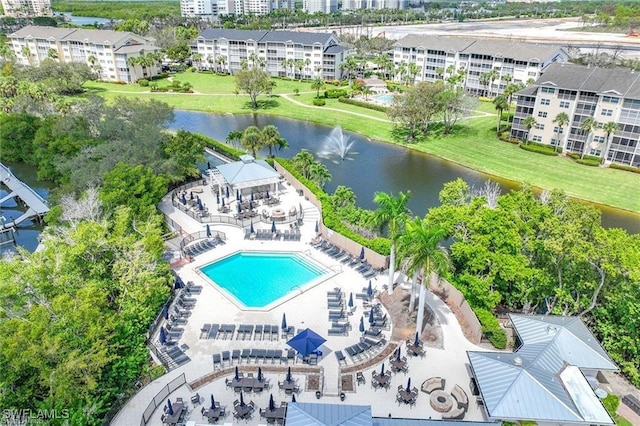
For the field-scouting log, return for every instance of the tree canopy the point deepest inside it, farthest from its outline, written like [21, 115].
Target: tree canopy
[254, 82]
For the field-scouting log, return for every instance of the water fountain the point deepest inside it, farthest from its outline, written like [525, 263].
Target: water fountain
[336, 144]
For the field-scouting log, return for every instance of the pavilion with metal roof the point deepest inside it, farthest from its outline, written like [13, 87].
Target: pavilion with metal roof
[548, 378]
[248, 173]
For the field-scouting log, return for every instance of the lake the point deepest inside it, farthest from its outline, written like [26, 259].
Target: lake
[369, 165]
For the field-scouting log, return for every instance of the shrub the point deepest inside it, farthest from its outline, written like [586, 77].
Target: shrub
[589, 162]
[484, 99]
[395, 87]
[319, 102]
[626, 168]
[611, 403]
[219, 147]
[363, 104]
[143, 82]
[335, 93]
[491, 328]
[545, 150]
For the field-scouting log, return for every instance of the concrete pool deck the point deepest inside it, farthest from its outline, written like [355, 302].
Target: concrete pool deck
[308, 309]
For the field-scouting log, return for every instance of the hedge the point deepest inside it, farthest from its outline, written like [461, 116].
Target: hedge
[626, 168]
[363, 104]
[589, 162]
[330, 217]
[219, 147]
[491, 328]
[586, 157]
[545, 150]
[335, 93]
[319, 102]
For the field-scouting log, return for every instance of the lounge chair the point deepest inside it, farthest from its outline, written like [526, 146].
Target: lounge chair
[340, 357]
[204, 331]
[235, 356]
[245, 355]
[226, 357]
[217, 361]
[257, 332]
[213, 331]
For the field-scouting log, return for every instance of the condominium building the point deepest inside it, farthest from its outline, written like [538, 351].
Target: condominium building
[211, 9]
[108, 53]
[281, 53]
[206, 9]
[373, 4]
[581, 92]
[20, 8]
[438, 57]
[320, 6]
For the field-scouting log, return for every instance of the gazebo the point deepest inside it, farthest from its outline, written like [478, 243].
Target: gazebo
[246, 175]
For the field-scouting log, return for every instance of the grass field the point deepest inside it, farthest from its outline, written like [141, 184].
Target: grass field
[472, 144]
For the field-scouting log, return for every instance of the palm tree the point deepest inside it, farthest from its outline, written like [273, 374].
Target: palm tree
[292, 64]
[391, 213]
[233, 137]
[197, 58]
[270, 137]
[587, 127]
[252, 139]
[26, 52]
[609, 128]
[561, 120]
[319, 173]
[528, 123]
[221, 61]
[307, 62]
[500, 103]
[493, 76]
[484, 81]
[348, 66]
[299, 66]
[366, 92]
[413, 70]
[422, 243]
[303, 161]
[52, 54]
[318, 84]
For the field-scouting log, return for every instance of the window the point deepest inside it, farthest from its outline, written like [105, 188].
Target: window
[610, 99]
[564, 104]
[558, 129]
[554, 141]
[548, 90]
[599, 139]
[545, 101]
[542, 114]
[537, 138]
[607, 112]
[539, 126]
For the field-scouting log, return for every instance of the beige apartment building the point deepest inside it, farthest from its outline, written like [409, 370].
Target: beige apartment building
[105, 52]
[439, 56]
[320, 53]
[581, 92]
[20, 8]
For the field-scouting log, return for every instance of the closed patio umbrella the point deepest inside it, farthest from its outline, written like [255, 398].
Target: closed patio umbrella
[163, 335]
[165, 312]
[273, 226]
[382, 370]
[213, 402]
[240, 196]
[227, 193]
[288, 374]
[241, 399]
[252, 199]
[362, 254]
[251, 230]
[284, 321]
[369, 290]
[237, 195]
[267, 194]
[272, 404]
[361, 325]
[416, 341]
[191, 194]
[184, 200]
[350, 304]
[409, 385]
[200, 206]
[317, 227]
[293, 397]
[169, 408]
[250, 205]
[208, 229]
[260, 374]
[237, 373]
[371, 318]
[398, 353]
[239, 208]
[217, 198]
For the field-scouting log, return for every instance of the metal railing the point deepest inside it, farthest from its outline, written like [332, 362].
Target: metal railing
[161, 396]
[201, 235]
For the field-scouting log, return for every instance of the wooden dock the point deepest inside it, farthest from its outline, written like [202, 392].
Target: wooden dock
[37, 206]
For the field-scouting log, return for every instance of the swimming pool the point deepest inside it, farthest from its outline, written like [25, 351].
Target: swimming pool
[256, 280]
[387, 99]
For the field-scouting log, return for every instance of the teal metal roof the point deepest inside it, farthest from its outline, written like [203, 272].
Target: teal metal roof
[310, 414]
[248, 172]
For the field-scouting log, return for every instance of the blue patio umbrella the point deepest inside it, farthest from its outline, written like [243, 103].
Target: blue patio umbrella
[227, 192]
[213, 402]
[237, 195]
[184, 200]
[260, 374]
[293, 397]
[317, 227]
[288, 379]
[350, 304]
[237, 376]
[169, 408]
[416, 341]
[361, 325]
[200, 206]
[208, 231]
[252, 196]
[223, 202]
[240, 196]
[370, 289]
[179, 283]
[239, 208]
[251, 230]
[217, 198]
[191, 194]
[382, 370]
[267, 194]
[272, 404]
[398, 353]
[241, 399]
[306, 341]
[371, 318]
[409, 385]
[284, 321]
[362, 254]
[251, 205]
[163, 335]
[273, 226]
[165, 312]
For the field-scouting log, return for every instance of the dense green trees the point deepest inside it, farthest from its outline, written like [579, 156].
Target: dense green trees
[254, 82]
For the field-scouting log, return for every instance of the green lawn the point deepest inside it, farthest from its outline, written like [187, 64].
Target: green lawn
[473, 143]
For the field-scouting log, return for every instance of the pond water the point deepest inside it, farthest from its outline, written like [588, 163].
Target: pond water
[84, 20]
[369, 166]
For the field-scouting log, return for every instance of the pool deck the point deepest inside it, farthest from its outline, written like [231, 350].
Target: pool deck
[307, 309]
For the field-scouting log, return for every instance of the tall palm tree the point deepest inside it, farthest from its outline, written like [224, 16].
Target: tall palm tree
[299, 66]
[422, 242]
[234, 137]
[270, 137]
[252, 139]
[587, 127]
[197, 58]
[319, 173]
[500, 103]
[26, 52]
[609, 128]
[317, 84]
[413, 70]
[307, 62]
[392, 213]
[52, 54]
[561, 120]
[528, 123]
[303, 161]
[484, 80]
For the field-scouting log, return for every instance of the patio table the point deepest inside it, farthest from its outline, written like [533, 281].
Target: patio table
[398, 364]
[277, 413]
[407, 397]
[243, 411]
[414, 350]
[178, 408]
[213, 415]
[382, 380]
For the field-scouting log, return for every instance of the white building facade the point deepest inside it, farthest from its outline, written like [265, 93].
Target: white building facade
[603, 94]
[320, 6]
[106, 52]
[20, 8]
[281, 53]
[437, 57]
[205, 9]
[374, 4]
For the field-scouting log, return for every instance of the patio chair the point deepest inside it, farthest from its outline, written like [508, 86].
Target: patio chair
[226, 357]
[275, 330]
[340, 357]
[217, 360]
[235, 356]
[360, 378]
[257, 332]
[204, 331]
[195, 399]
[213, 331]
[245, 355]
[291, 355]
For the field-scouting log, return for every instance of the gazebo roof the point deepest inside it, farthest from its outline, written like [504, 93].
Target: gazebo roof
[248, 172]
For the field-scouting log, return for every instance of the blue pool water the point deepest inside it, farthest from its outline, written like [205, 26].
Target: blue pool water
[259, 279]
[384, 98]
